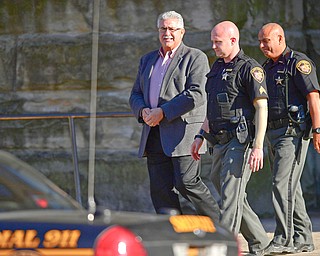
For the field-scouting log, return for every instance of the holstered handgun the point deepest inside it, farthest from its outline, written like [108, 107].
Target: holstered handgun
[242, 130]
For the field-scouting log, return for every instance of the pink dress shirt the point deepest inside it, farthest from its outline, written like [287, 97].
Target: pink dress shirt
[158, 73]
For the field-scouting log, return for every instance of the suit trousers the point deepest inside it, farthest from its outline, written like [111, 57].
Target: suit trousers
[230, 174]
[288, 154]
[172, 175]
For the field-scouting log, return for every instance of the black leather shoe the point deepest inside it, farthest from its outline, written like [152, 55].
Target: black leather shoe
[261, 252]
[303, 247]
[256, 253]
[273, 249]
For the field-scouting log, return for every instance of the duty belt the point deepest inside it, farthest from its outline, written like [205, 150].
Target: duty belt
[275, 124]
[224, 136]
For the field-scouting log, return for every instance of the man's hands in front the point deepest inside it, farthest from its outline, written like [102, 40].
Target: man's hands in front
[152, 117]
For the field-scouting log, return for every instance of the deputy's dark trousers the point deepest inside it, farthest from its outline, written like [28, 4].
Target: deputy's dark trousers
[171, 174]
[230, 174]
[288, 157]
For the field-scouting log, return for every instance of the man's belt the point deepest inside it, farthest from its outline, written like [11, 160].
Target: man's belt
[275, 124]
[223, 136]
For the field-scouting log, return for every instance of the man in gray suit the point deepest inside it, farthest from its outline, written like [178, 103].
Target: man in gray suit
[168, 97]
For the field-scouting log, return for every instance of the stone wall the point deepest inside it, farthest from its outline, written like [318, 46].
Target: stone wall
[45, 67]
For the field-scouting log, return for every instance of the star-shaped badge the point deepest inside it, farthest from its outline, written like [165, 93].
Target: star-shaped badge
[279, 80]
[224, 76]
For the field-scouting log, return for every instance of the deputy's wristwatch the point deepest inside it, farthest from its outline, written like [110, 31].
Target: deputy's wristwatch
[316, 130]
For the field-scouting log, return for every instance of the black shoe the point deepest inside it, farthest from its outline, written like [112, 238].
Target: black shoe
[273, 249]
[256, 253]
[298, 247]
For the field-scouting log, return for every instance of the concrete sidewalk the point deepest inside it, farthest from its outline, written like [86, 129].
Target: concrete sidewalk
[269, 225]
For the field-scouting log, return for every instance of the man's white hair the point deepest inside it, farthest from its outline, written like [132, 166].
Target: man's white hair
[171, 15]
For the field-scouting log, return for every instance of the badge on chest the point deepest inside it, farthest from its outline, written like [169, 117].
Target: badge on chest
[225, 73]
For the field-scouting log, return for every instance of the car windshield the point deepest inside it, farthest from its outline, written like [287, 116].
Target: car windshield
[24, 188]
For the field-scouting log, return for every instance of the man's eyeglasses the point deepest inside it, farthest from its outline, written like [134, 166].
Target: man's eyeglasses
[164, 29]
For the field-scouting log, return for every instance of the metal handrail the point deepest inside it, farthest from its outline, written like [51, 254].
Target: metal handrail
[62, 115]
[70, 117]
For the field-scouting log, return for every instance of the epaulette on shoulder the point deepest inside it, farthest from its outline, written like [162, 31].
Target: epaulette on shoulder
[291, 60]
[265, 62]
[245, 57]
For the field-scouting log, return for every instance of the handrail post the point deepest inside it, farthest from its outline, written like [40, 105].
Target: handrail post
[76, 173]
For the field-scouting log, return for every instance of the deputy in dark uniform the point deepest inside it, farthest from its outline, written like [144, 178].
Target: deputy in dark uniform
[293, 93]
[237, 102]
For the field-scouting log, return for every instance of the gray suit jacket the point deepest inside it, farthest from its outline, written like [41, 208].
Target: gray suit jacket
[182, 99]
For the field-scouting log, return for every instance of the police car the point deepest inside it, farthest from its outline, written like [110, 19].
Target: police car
[39, 219]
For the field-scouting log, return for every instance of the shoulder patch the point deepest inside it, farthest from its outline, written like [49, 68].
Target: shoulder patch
[304, 67]
[258, 74]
